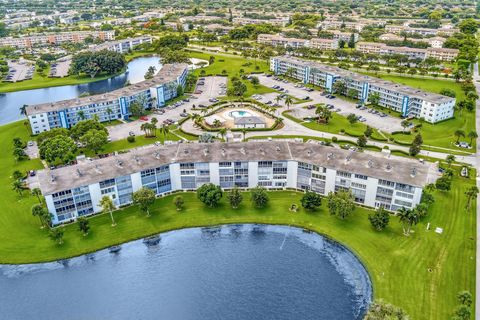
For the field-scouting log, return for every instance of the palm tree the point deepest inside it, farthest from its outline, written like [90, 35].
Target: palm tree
[323, 113]
[81, 115]
[288, 101]
[17, 186]
[36, 192]
[278, 98]
[38, 211]
[472, 135]
[450, 159]
[244, 132]
[23, 110]
[408, 217]
[154, 122]
[471, 194]
[459, 134]
[164, 130]
[109, 112]
[107, 206]
[222, 132]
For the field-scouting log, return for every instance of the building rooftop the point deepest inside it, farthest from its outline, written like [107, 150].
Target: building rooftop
[378, 166]
[110, 44]
[168, 73]
[249, 120]
[405, 90]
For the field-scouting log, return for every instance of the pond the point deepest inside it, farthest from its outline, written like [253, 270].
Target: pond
[11, 102]
[228, 272]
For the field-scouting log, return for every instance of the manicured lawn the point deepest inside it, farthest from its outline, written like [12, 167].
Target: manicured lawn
[421, 273]
[440, 134]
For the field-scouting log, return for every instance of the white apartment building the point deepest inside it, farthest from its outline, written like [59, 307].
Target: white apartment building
[443, 54]
[55, 38]
[277, 40]
[393, 28]
[282, 21]
[410, 102]
[374, 180]
[109, 106]
[124, 45]
[324, 44]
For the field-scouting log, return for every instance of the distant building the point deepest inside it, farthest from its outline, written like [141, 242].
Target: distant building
[393, 28]
[410, 102]
[277, 40]
[249, 122]
[282, 22]
[443, 54]
[108, 106]
[124, 45]
[55, 38]
[324, 44]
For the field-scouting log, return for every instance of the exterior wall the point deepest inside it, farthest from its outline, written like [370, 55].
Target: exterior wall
[68, 205]
[389, 96]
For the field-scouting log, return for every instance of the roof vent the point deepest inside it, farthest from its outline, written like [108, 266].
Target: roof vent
[370, 163]
[262, 151]
[79, 173]
[278, 149]
[309, 152]
[206, 152]
[242, 151]
[136, 158]
[185, 151]
[119, 163]
[223, 152]
[52, 178]
[157, 155]
[97, 169]
[413, 173]
[348, 158]
[330, 156]
[388, 167]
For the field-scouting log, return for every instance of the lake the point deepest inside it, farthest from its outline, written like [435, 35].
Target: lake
[11, 102]
[228, 272]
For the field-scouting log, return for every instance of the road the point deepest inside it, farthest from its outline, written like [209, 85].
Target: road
[476, 79]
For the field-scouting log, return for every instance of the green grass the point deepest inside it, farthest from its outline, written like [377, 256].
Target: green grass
[399, 265]
[440, 134]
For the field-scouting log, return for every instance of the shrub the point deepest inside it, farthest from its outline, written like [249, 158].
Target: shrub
[131, 139]
[334, 139]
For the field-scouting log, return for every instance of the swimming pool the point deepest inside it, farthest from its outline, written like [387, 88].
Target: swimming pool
[240, 114]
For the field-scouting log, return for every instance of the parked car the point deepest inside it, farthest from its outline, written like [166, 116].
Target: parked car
[131, 134]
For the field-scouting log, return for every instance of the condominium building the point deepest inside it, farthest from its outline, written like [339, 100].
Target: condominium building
[443, 54]
[124, 45]
[108, 106]
[282, 21]
[374, 180]
[277, 40]
[434, 42]
[55, 38]
[324, 44]
[358, 25]
[392, 28]
[410, 102]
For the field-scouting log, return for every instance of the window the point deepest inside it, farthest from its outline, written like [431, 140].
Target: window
[359, 176]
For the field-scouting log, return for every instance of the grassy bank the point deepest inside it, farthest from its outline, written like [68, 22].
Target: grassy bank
[421, 273]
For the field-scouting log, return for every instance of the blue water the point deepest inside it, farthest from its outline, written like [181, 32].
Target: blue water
[230, 272]
[240, 114]
[10, 103]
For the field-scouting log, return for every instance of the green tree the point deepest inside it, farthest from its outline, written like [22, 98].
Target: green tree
[94, 140]
[96, 62]
[39, 211]
[255, 81]
[339, 87]
[408, 218]
[56, 235]
[259, 197]
[352, 118]
[288, 101]
[472, 135]
[82, 127]
[450, 159]
[83, 225]
[235, 197]
[18, 187]
[471, 194]
[405, 124]
[340, 204]
[311, 200]
[324, 114]
[374, 99]
[210, 194]
[36, 192]
[362, 141]
[380, 310]
[58, 150]
[368, 132]
[107, 206]
[468, 26]
[465, 298]
[179, 203]
[459, 134]
[144, 198]
[379, 219]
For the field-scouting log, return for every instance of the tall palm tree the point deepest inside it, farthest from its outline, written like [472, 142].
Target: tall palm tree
[222, 132]
[36, 192]
[17, 186]
[472, 135]
[154, 122]
[38, 211]
[144, 128]
[109, 112]
[450, 159]
[323, 113]
[278, 98]
[244, 132]
[459, 134]
[164, 130]
[408, 217]
[23, 110]
[288, 101]
[107, 206]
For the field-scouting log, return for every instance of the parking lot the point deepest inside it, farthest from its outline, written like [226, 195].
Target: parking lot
[205, 95]
[19, 70]
[376, 120]
[60, 68]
